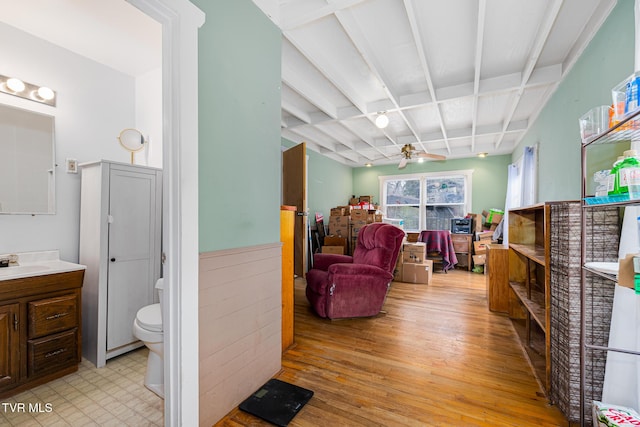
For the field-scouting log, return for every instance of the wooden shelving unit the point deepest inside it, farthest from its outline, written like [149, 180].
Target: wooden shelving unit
[529, 297]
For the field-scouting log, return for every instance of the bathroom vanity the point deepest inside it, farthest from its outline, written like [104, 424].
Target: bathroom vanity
[40, 321]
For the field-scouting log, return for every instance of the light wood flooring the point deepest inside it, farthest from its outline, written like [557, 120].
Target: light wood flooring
[436, 357]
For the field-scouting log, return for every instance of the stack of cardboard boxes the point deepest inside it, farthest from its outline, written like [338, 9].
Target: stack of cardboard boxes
[412, 266]
[345, 222]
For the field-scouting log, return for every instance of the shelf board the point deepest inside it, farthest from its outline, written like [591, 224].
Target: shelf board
[535, 305]
[533, 252]
[534, 350]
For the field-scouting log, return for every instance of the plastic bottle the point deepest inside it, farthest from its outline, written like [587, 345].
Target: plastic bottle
[612, 183]
[629, 164]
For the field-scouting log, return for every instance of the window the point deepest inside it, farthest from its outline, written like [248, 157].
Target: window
[426, 201]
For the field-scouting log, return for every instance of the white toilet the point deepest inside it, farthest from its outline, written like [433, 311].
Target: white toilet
[147, 327]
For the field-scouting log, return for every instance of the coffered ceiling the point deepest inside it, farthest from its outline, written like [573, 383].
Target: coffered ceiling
[455, 77]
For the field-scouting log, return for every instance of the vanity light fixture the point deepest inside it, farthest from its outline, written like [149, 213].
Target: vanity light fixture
[382, 121]
[17, 87]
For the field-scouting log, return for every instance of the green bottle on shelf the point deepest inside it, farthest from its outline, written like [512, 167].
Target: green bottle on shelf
[612, 183]
[630, 161]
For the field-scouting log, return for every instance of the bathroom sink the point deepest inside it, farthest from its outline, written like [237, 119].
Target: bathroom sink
[38, 264]
[23, 270]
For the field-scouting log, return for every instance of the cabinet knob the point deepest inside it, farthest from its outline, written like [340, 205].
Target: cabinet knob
[113, 260]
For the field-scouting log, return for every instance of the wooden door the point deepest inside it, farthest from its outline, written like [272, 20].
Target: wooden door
[294, 193]
[287, 222]
[9, 344]
[133, 207]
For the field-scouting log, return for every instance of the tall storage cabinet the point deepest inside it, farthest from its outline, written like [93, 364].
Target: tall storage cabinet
[120, 243]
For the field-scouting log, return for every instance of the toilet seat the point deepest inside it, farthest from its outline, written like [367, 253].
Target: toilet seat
[150, 318]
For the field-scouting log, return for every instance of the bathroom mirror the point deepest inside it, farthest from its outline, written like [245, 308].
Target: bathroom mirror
[131, 140]
[27, 162]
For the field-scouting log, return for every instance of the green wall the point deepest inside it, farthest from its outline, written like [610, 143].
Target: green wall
[239, 114]
[329, 183]
[489, 178]
[605, 62]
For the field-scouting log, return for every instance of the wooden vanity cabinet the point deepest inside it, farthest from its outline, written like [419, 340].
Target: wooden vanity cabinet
[40, 321]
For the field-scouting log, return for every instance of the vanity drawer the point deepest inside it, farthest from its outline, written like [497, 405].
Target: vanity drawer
[52, 315]
[50, 353]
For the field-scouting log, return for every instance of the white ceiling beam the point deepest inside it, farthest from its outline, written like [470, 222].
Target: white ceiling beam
[482, 9]
[589, 30]
[290, 21]
[292, 109]
[539, 42]
[415, 32]
[304, 88]
[361, 43]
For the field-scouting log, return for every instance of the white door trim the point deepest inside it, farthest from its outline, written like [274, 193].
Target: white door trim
[180, 21]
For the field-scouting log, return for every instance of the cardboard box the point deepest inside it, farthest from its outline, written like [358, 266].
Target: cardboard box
[485, 235]
[339, 211]
[356, 226]
[354, 201]
[333, 250]
[339, 226]
[479, 259]
[480, 246]
[496, 218]
[336, 241]
[417, 273]
[359, 214]
[365, 199]
[377, 217]
[412, 237]
[626, 271]
[414, 252]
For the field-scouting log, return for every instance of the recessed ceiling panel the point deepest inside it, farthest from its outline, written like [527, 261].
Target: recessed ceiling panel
[391, 46]
[492, 108]
[456, 113]
[448, 33]
[510, 32]
[329, 48]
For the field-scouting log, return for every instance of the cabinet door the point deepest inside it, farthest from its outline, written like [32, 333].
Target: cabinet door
[134, 238]
[9, 344]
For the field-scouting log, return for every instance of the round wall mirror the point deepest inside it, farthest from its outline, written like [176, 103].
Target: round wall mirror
[131, 140]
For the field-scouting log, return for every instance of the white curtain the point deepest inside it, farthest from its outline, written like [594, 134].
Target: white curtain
[521, 186]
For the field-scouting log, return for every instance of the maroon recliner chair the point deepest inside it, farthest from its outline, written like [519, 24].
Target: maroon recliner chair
[340, 286]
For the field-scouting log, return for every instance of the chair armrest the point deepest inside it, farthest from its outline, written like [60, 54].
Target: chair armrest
[324, 261]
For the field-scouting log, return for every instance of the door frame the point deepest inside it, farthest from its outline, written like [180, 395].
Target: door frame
[180, 21]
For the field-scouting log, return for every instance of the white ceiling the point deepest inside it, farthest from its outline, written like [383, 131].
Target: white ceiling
[111, 32]
[456, 77]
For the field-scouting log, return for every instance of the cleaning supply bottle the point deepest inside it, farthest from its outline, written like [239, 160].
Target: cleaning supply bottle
[612, 182]
[629, 163]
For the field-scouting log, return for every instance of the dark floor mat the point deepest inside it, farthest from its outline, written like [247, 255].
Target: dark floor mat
[277, 402]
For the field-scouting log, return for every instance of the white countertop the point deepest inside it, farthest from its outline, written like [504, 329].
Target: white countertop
[37, 264]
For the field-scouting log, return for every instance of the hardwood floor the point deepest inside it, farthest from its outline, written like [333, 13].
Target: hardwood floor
[437, 357]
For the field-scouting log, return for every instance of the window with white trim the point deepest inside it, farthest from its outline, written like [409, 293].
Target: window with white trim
[426, 201]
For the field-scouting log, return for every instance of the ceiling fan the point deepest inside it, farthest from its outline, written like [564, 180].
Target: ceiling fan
[409, 152]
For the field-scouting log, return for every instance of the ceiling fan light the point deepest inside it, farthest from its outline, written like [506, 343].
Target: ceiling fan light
[382, 121]
[483, 155]
[368, 165]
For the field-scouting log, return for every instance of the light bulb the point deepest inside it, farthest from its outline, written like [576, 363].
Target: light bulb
[382, 121]
[15, 85]
[45, 93]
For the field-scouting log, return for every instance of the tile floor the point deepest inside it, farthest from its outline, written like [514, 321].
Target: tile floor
[110, 396]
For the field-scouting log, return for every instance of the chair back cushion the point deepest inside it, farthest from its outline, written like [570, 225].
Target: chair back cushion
[378, 244]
